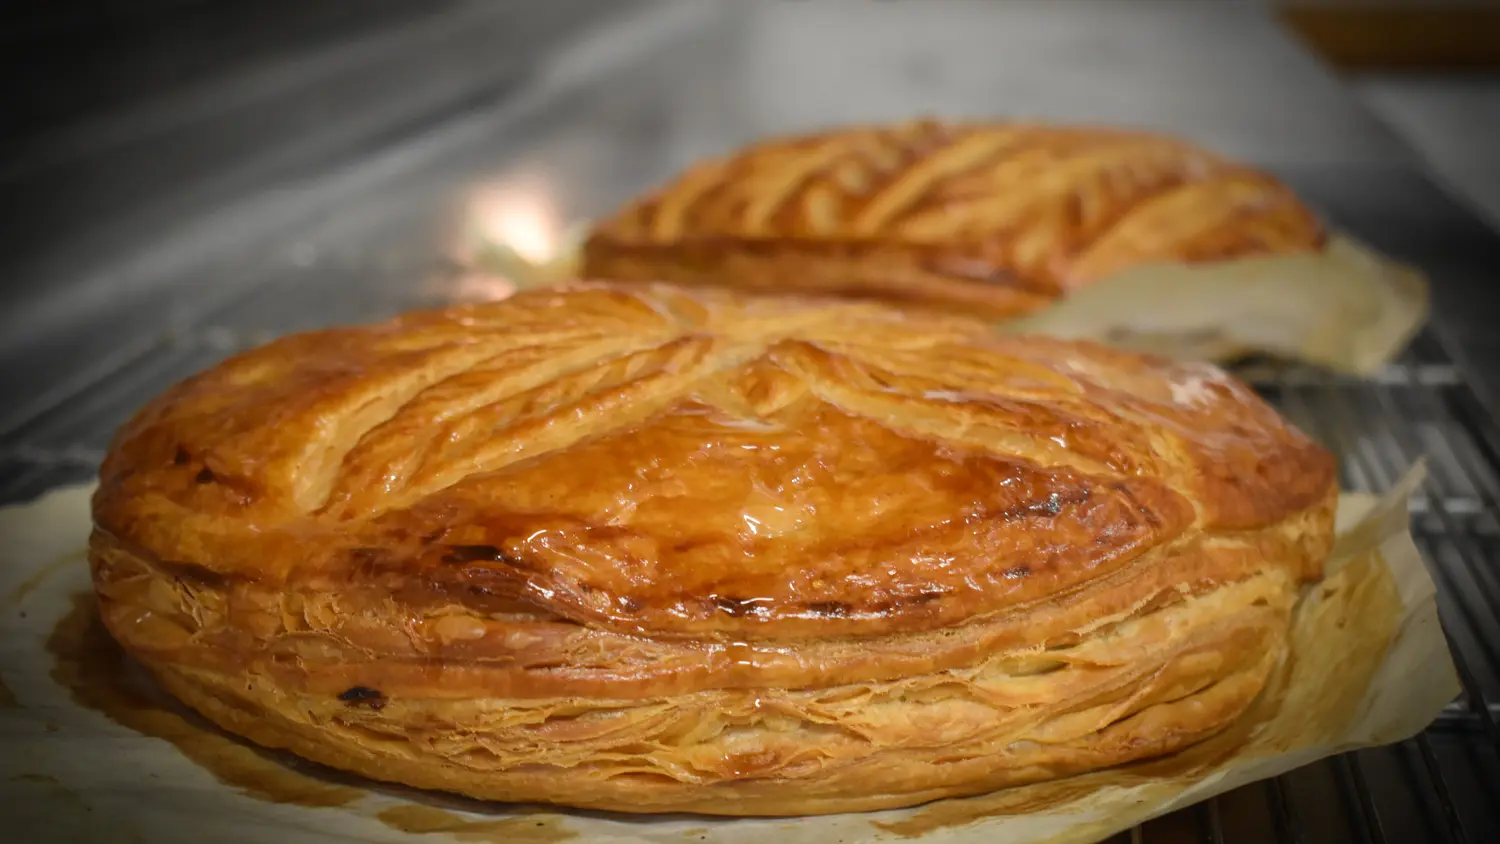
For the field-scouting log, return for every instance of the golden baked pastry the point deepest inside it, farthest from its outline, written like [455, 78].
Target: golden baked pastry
[655, 549]
[989, 220]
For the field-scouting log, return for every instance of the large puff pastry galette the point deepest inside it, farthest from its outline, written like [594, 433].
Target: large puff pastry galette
[647, 548]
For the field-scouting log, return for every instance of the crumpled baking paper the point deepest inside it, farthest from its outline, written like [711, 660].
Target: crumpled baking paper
[1347, 308]
[1369, 666]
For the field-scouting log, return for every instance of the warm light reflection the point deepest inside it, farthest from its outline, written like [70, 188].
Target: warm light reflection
[518, 216]
[510, 237]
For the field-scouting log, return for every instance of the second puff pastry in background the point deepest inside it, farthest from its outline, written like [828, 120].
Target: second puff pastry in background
[1134, 239]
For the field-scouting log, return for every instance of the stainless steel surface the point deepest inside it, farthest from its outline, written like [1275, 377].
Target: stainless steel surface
[627, 103]
[1452, 121]
[1221, 73]
[164, 168]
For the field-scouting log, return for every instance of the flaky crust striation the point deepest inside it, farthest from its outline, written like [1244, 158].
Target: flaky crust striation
[990, 219]
[653, 549]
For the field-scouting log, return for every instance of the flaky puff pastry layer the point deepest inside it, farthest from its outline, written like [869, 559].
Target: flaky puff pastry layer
[651, 549]
[995, 220]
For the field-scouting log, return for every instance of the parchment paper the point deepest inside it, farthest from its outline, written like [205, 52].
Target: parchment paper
[1370, 666]
[1346, 308]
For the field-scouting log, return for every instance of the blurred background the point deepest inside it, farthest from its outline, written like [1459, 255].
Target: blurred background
[182, 179]
[146, 143]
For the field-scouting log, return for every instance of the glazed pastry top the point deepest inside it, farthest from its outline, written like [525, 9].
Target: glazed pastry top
[652, 460]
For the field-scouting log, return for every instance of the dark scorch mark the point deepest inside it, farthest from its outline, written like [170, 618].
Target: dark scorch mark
[363, 696]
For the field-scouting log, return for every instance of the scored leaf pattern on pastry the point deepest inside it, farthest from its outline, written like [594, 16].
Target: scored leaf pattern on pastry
[1041, 209]
[654, 460]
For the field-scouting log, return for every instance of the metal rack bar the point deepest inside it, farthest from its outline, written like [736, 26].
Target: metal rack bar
[1358, 804]
[1288, 825]
[1210, 826]
[1444, 795]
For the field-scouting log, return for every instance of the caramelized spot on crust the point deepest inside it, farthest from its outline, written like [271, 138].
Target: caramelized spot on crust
[362, 696]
